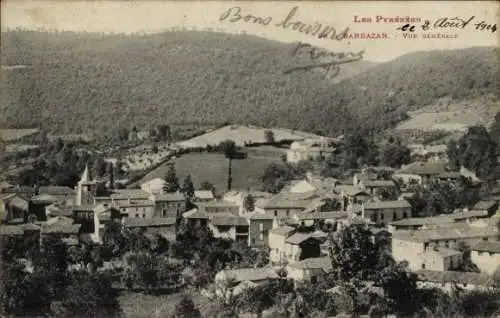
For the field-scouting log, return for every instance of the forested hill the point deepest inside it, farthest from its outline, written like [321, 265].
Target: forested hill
[80, 82]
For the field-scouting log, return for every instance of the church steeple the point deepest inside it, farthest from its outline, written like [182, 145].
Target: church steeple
[85, 175]
[85, 189]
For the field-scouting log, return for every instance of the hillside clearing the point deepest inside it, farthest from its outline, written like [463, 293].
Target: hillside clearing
[213, 168]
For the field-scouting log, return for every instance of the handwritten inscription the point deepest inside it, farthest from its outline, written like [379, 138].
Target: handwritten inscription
[290, 22]
[316, 58]
[452, 22]
[448, 24]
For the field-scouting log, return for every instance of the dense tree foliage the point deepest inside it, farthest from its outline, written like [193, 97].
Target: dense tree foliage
[171, 180]
[186, 309]
[205, 185]
[77, 82]
[395, 154]
[277, 175]
[249, 203]
[476, 150]
[49, 288]
[229, 149]
[188, 188]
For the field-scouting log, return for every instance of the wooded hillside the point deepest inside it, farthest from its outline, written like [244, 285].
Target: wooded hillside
[79, 82]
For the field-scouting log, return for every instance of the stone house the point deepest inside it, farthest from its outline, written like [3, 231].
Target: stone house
[419, 172]
[385, 212]
[289, 245]
[421, 256]
[309, 269]
[260, 225]
[168, 204]
[214, 207]
[229, 226]
[449, 281]
[486, 255]
[165, 227]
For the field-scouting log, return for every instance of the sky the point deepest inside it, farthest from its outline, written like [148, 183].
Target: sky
[157, 16]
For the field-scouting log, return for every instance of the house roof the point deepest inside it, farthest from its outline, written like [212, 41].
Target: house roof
[330, 215]
[148, 222]
[395, 204]
[457, 215]
[423, 221]
[250, 274]
[260, 216]
[228, 220]
[484, 205]
[11, 230]
[313, 263]
[83, 207]
[141, 203]
[299, 238]
[56, 190]
[216, 204]
[19, 203]
[423, 168]
[378, 183]
[44, 198]
[463, 232]
[129, 194]
[204, 194]
[477, 279]
[444, 252]
[61, 229]
[170, 197]
[70, 241]
[195, 214]
[286, 200]
[59, 220]
[282, 230]
[487, 246]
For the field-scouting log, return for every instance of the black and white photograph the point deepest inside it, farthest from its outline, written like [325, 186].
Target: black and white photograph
[253, 159]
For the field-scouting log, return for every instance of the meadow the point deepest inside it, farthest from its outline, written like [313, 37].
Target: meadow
[213, 167]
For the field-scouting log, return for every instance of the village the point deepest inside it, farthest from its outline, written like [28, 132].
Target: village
[225, 243]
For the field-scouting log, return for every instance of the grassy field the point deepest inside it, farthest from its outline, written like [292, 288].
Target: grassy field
[213, 168]
[138, 305]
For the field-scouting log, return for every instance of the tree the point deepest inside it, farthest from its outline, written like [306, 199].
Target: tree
[358, 151]
[352, 253]
[188, 188]
[90, 295]
[171, 181]
[495, 130]
[163, 132]
[269, 136]
[99, 167]
[110, 171]
[114, 241]
[228, 147]
[186, 309]
[51, 263]
[123, 134]
[249, 203]
[476, 150]
[277, 174]
[154, 149]
[330, 205]
[395, 154]
[205, 185]
[400, 288]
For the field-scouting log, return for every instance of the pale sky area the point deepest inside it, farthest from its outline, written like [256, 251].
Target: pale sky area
[157, 16]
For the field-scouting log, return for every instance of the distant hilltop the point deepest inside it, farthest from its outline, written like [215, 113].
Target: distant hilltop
[243, 135]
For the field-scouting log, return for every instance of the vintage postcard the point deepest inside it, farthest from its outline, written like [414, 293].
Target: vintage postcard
[249, 159]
